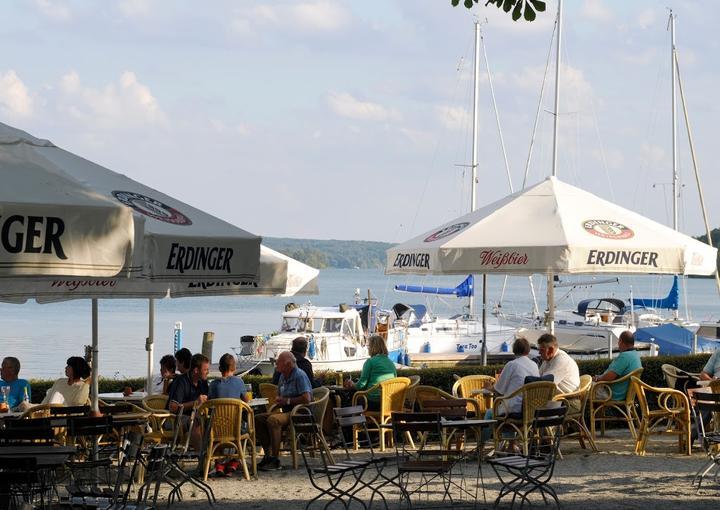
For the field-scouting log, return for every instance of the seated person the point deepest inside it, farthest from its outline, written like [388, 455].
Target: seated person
[20, 390]
[161, 382]
[71, 390]
[375, 370]
[711, 370]
[299, 349]
[190, 390]
[513, 377]
[294, 388]
[558, 363]
[228, 386]
[627, 361]
[183, 357]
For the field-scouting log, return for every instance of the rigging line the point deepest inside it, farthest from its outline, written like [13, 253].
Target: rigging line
[539, 108]
[695, 164]
[433, 159]
[497, 113]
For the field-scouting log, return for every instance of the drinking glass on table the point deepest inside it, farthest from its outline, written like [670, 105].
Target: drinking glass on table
[5, 393]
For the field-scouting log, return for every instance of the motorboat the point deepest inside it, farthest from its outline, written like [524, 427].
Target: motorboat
[337, 337]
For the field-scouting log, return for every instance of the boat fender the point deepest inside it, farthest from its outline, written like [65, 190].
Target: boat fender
[426, 347]
[311, 347]
[505, 347]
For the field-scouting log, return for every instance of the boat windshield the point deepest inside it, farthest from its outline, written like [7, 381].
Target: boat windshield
[301, 325]
[332, 325]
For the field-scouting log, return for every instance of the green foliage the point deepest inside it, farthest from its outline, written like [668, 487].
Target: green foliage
[526, 9]
[715, 236]
[320, 253]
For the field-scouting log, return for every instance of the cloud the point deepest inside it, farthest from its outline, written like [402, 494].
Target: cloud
[15, 100]
[127, 103]
[320, 16]
[134, 8]
[345, 105]
[453, 117]
[53, 10]
[652, 155]
[596, 10]
[639, 58]
[647, 18]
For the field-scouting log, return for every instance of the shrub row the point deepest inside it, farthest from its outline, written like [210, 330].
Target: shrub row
[439, 377]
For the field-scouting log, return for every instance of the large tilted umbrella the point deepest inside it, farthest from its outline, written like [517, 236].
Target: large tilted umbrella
[170, 247]
[552, 228]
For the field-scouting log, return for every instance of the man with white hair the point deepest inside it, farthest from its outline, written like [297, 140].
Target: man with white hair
[293, 388]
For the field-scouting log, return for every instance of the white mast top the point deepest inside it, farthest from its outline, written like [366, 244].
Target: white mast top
[474, 163]
[556, 124]
[674, 123]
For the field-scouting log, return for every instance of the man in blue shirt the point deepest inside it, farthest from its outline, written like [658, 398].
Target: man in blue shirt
[711, 370]
[627, 361]
[9, 374]
[294, 388]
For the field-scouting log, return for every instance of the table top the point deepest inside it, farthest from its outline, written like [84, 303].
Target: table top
[466, 423]
[135, 396]
[10, 414]
[483, 391]
[257, 402]
[36, 450]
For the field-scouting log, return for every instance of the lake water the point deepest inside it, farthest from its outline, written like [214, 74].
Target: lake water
[44, 336]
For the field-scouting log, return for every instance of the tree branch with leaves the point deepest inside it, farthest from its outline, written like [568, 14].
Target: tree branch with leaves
[526, 9]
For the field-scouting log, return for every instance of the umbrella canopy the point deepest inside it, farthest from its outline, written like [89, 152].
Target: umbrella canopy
[180, 243]
[552, 227]
[279, 275]
[51, 223]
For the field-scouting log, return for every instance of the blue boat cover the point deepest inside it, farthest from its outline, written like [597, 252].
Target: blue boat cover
[465, 289]
[672, 339]
[670, 302]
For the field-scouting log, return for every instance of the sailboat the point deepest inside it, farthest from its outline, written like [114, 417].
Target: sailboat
[463, 336]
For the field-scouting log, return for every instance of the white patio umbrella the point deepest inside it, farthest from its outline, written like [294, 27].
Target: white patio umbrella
[552, 228]
[51, 224]
[179, 246]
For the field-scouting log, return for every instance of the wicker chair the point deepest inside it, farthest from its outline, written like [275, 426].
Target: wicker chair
[601, 400]
[161, 421]
[268, 391]
[534, 396]
[392, 399]
[671, 417]
[39, 411]
[673, 373]
[410, 393]
[464, 387]
[229, 417]
[576, 403]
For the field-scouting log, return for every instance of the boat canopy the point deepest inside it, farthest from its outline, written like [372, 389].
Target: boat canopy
[465, 289]
[616, 306]
[670, 302]
[672, 339]
[416, 315]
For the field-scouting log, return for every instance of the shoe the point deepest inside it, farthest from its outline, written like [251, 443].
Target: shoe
[273, 464]
[264, 461]
[231, 466]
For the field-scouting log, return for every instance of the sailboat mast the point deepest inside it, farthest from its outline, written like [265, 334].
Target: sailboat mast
[556, 123]
[674, 123]
[474, 163]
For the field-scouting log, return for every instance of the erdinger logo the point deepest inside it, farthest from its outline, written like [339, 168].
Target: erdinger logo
[608, 229]
[447, 231]
[151, 207]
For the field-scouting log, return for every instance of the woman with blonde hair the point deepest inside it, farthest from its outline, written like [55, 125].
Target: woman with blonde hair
[375, 370]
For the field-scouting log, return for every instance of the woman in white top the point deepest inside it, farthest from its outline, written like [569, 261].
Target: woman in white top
[513, 375]
[71, 390]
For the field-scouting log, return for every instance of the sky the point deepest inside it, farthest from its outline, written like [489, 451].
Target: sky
[335, 119]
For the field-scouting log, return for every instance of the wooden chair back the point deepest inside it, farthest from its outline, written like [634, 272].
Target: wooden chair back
[155, 402]
[268, 391]
[464, 387]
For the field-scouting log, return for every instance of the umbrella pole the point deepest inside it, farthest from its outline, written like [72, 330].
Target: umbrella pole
[551, 304]
[484, 321]
[95, 358]
[149, 345]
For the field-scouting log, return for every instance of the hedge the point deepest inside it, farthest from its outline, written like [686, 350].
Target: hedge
[439, 377]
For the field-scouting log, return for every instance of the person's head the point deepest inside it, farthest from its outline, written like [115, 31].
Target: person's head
[167, 365]
[183, 358]
[10, 369]
[627, 341]
[547, 346]
[521, 347]
[227, 364]
[299, 346]
[77, 368]
[376, 345]
[199, 367]
[285, 363]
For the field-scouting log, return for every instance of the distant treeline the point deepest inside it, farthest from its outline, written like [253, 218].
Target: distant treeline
[321, 253]
[715, 234]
